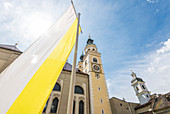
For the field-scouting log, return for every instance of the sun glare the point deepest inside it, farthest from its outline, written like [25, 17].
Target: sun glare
[36, 24]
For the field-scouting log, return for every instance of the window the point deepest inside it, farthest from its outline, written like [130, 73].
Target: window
[93, 49]
[99, 88]
[95, 60]
[137, 88]
[78, 90]
[57, 87]
[85, 63]
[81, 107]
[74, 107]
[147, 96]
[102, 111]
[101, 100]
[97, 76]
[88, 49]
[143, 87]
[120, 104]
[45, 106]
[54, 105]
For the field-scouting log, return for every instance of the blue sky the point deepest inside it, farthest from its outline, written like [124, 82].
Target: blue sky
[130, 34]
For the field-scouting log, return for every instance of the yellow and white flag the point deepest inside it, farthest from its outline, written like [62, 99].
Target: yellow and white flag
[27, 83]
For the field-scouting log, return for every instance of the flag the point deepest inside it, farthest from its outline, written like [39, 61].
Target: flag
[27, 83]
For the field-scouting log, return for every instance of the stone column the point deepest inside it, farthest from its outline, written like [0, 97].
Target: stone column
[76, 105]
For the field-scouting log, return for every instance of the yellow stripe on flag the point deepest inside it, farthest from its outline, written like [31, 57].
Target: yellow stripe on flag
[34, 96]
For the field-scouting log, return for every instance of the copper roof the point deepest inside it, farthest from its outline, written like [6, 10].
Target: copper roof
[68, 67]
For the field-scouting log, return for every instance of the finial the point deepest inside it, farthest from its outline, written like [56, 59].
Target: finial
[89, 35]
[16, 43]
[133, 74]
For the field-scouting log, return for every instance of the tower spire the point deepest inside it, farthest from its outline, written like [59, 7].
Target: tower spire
[133, 74]
[140, 88]
[90, 41]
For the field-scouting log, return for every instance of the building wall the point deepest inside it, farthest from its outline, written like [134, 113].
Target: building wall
[64, 81]
[7, 57]
[82, 80]
[122, 107]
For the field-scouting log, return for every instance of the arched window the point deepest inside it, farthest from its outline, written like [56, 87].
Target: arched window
[81, 107]
[137, 88]
[101, 100]
[57, 87]
[147, 96]
[78, 90]
[143, 86]
[85, 63]
[102, 111]
[54, 105]
[93, 49]
[95, 60]
[88, 49]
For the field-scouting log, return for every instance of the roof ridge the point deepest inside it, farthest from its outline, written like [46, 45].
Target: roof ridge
[9, 47]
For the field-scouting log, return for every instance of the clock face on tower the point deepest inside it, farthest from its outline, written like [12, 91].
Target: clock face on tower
[96, 67]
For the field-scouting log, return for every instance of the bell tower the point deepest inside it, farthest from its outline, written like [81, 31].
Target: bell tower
[140, 88]
[91, 63]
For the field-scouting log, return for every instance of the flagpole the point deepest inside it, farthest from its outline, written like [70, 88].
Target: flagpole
[73, 73]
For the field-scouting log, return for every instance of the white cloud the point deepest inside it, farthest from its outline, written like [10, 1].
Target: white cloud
[8, 5]
[152, 1]
[154, 69]
[25, 21]
[165, 48]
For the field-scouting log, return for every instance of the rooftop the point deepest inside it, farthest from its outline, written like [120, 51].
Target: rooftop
[10, 47]
[158, 102]
[138, 79]
[68, 67]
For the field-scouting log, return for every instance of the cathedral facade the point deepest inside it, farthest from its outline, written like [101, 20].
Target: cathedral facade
[90, 93]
